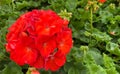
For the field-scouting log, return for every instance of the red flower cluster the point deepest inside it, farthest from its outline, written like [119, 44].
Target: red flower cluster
[102, 1]
[41, 39]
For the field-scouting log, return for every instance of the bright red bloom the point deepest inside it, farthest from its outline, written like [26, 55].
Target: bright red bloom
[39, 38]
[55, 61]
[102, 1]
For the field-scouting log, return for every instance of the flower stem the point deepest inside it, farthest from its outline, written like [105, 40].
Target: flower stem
[91, 19]
[13, 6]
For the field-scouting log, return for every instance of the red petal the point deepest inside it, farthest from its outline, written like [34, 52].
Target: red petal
[49, 24]
[47, 47]
[29, 56]
[11, 45]
[64, 40]
[39, 63]
[65, 46]
[59, 59]
[102, 1]
[50, 64]
[65, 23]
[23, 55]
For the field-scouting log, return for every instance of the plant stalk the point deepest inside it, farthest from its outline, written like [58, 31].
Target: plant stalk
[91, 19]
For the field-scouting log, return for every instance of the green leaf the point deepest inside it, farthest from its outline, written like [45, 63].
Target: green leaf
[105, 15]
[117, 17]
[56, 5]
[22, 5]
[45, 72]
[12, 68]
[92, 67]
[118, 68]
[109, 64]
[113, 48]
[52, 1]
[27, 4]
[95, 53]
[73, 70]
[95, 69]
[67, 67]
[91, 59]
[101, 36]
[2, 2]
[71, 4]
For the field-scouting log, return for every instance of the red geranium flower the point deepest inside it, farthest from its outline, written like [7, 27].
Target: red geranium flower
[39, 38]
[102, 1]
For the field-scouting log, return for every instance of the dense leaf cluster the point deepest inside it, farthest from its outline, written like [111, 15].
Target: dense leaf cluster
[96, 52]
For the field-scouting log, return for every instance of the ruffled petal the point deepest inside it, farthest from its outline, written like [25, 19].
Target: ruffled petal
[47, 47]
[64, 40]
[39, 63]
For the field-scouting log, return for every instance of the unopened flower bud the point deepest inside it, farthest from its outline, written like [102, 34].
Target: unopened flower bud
[112, 6]
[87, 8]
[90, 2]
[95, 8]
[35, 72]
[112, 33]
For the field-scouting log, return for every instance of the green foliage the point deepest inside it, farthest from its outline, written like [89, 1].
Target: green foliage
[94, 51]
[113, 48]
[12, 68]
[109, 65]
